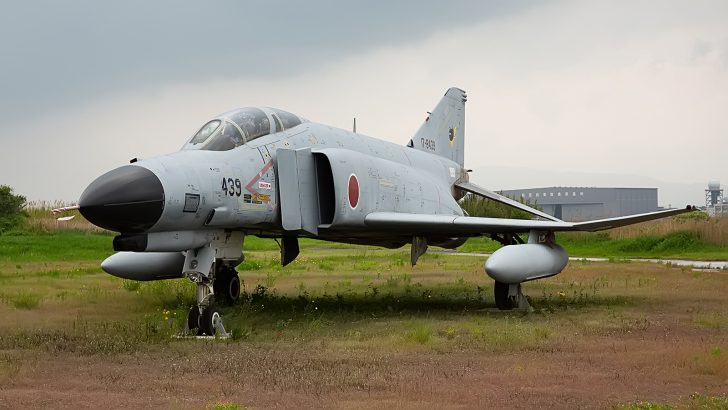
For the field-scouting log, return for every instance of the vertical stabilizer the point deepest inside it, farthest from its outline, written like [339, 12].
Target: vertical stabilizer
[443, 132]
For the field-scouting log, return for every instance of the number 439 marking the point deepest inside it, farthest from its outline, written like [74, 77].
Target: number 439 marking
[232, 187]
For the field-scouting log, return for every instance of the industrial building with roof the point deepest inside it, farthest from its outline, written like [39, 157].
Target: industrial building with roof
[576, 204]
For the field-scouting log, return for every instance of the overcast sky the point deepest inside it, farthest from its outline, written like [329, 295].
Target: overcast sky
[565, 87]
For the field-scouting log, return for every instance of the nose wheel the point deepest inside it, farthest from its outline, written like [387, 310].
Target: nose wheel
[193, 318]
[204, 319]
[211, 269]
[207, 322]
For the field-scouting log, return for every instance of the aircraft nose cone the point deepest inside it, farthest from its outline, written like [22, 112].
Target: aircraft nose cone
[127, 199]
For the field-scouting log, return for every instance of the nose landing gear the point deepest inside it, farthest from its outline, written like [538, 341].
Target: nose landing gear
[207, 322]
[223, 288]
[205, 317]
[212, 269]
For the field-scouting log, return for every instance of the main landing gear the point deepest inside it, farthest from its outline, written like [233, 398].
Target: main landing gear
[226, 285]
[509, 296]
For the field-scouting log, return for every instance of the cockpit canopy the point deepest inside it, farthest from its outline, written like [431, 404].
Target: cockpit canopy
[235, 128]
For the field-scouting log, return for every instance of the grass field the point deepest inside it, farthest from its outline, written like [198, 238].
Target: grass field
[358, 327]
[689, 236]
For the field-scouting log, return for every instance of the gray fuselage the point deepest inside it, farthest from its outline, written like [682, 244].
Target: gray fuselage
[239, 188]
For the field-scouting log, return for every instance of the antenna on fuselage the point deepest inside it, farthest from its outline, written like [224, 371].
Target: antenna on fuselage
[355, 124]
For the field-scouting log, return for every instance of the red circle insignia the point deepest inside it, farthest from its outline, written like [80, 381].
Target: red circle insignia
[353, 191]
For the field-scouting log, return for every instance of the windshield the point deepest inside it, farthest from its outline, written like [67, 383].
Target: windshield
[204, 133]
[226, 137]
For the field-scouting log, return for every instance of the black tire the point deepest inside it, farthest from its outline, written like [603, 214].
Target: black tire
[193, 318]
[227, 286]
[502, 301]
[234, 288]
[207, 321]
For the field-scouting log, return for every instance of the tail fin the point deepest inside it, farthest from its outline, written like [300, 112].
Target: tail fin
[443, 132]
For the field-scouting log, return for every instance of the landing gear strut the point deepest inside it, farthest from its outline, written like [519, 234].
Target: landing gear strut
[509, 296]
[205, 316]
[211, 269]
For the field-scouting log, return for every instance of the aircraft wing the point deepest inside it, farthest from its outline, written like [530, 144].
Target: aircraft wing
[480, 191]
[455, 225]
[602, 224]
[424, 224]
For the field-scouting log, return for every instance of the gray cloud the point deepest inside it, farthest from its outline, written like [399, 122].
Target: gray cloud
[597, 87]
[61, 53]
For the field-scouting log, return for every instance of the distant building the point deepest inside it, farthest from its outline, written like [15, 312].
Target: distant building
[576, 204]
[715, 203]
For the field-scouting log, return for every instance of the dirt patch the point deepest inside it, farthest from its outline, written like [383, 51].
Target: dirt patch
[590, 373]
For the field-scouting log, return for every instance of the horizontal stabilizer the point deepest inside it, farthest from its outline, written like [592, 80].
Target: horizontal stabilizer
[480, 191]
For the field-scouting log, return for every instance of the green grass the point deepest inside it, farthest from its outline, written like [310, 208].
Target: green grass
[419, 333]
[712, 320]
[226, 406]
[695, 401]
[360, 301]
[75, 246]
[56, 246]
[445, 304]
[438, 316]
[643, 405]
[92, 338]
[78, 246]
[348, 302]
[699, 401]
[342, 295]
[712, 361]
[26, 300]
[673, 244]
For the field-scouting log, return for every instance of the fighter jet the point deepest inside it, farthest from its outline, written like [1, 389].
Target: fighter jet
[270, 173]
